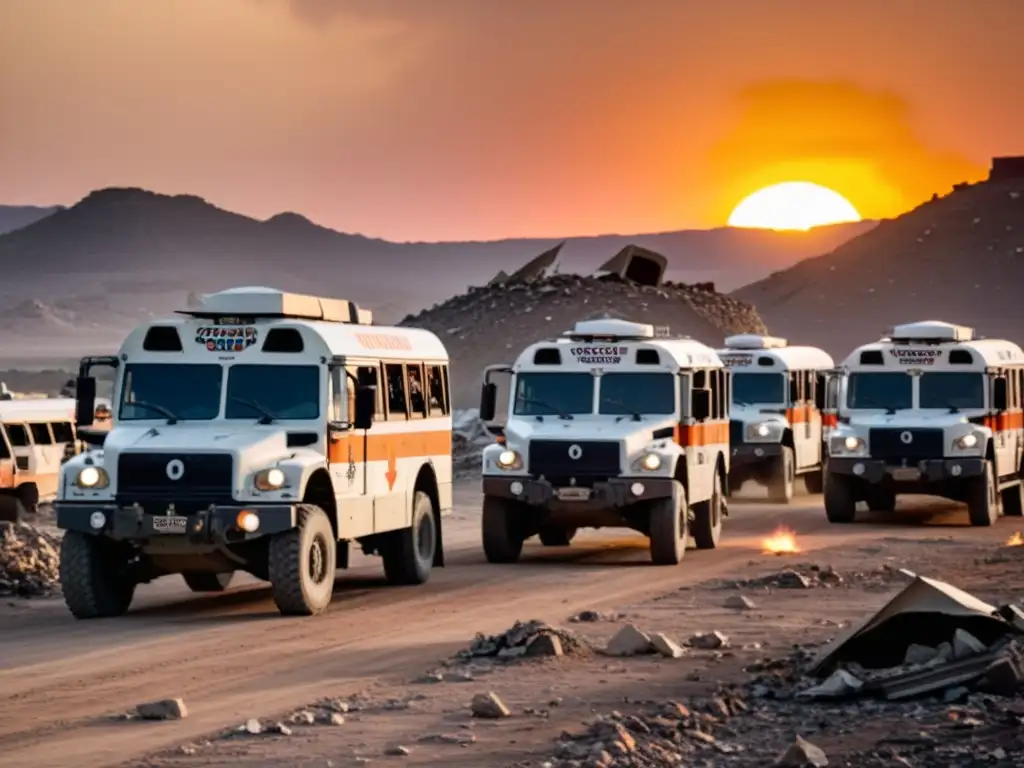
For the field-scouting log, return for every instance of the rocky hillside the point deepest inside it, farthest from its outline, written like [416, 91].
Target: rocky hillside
[958, 258]
[14, 217]
[493, 324]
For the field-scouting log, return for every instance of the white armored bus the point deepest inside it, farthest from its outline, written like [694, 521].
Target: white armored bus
[778, 422]
[608, 425]
[266, 432]
[931, 410]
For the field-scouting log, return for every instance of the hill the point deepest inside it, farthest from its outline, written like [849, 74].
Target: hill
[493, 324]
[14, 217]
[120, 255]
[958, 258]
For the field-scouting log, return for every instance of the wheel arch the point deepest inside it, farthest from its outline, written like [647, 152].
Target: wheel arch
[426, 481]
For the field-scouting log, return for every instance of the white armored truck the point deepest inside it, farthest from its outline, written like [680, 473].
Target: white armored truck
[929, 409]
[778, 422]
[608, 425]
[261, 431]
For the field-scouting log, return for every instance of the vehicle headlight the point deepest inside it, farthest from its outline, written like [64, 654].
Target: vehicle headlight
[761, 431]
[92, 478]
[966, 442]
[509, 459]
[649, 462]
[272, 479]
[848, 444]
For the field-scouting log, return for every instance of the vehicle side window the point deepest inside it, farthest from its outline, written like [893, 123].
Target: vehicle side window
[715, 386]
[394, 379]
[727, 390]
[63, 431]
[417, 397]
[368, 376]
[17, 434]
[5, 449]
[41, 433]
[437, 396]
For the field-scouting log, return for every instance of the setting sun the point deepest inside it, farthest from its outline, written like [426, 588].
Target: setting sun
[797, 205]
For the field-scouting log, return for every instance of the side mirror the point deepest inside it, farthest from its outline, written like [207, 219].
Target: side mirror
[366, 404]
[85, 401]
[701, 404]
[999, 394]
[488, 401]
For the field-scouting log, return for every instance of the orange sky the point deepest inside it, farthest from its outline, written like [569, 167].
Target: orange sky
[471, 119]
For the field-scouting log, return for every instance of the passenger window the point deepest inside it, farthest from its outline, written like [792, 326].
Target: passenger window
[41, 433]
[17, 434]
[393, 376]
[367, 376]
[715, 387]
[437, 400]
[417, 398]
[63, 432]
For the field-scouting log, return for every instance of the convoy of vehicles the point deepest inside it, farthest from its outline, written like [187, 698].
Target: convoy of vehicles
[608, 425]
[260, 431]
[778, 426]
[929, 409]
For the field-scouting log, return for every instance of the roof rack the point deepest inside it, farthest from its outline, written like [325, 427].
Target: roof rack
[255, 301]
[929, 332]
[610, 328]
[754, 341]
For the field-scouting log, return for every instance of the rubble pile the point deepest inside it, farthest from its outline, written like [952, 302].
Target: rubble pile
[492, 324]
[469, 438]
[29, 561]
[813, 576]
[527, 639]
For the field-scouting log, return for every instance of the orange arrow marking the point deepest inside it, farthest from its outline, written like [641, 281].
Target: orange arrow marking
[392, 472]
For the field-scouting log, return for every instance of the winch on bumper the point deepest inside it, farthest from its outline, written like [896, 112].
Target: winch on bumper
[876, 471]
[216, 524]
[613, 493]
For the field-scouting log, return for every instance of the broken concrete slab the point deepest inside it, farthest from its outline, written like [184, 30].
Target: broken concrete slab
[918, 654]
[629, 641]
[544, 645]
[802, 754]
[666, 646]
[840, 684]
[965, 644]
[708, 641]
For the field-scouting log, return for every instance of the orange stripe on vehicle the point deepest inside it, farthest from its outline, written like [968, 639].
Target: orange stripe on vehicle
[7, 473]
[709, 433]
[405, 445]
[830, 420]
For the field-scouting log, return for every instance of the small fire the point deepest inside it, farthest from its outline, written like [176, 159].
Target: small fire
[781, 542]
[1015, 541]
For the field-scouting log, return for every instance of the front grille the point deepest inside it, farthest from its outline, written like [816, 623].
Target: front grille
[736, 432]
[206, 479]
[596, 460]
[889, 444]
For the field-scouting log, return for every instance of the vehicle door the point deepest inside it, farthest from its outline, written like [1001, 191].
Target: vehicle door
[346, 454]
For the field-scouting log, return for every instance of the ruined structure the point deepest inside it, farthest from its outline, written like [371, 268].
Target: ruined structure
[1005, 168]
[635, 264]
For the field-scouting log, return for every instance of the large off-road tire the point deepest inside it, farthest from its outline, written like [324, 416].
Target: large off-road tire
[203, 581]
[882, 500]
[669, 521]
[706, 527]
[840, 503]
[556, 537]
[1013, 501]
[409, 554]
[10, 509]
[983, 498]
[93, 577]
[502, 530]
[28, 495]
[814, 481]
[780, 486]
[302, 564]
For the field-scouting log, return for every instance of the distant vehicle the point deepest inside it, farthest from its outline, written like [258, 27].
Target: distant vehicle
[263, 431]
[929, 409]
[778, 425]
[608, 426]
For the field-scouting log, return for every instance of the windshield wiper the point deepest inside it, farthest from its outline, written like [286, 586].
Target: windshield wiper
[635, 414]
[869, 403]
[167, 413]
[268, 416]
[530, 401]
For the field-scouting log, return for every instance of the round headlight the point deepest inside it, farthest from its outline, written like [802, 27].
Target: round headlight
[275, 477]
[967, 441]
[651, 462]
[507, 458]
[762, 430]
[851, 443]
[89, 477]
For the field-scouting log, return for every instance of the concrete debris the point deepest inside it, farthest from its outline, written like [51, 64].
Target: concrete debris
[489, 706]
[802, 754]
[469, 438]
[740, 603]
[517, 641]
[965, 644]
[813, 576]
[839, 684]
[397, 751]
[708, 641]
[594, 616]
[629, 641]
[544, 645]
[666, 646]
[29, 561]
[165, 709]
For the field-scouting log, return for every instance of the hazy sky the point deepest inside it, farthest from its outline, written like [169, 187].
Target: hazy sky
[479, 119]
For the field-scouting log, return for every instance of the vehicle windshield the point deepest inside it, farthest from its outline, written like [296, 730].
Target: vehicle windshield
[629, 393]
[553, 394]
[757, 388]
[170, 391]
[888, 391]
[952, 390]
[272, 392]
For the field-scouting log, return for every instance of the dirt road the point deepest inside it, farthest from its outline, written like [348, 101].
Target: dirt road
[232, 657]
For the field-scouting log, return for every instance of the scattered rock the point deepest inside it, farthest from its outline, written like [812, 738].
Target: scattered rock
[29, 561]
[965, 644]
[165, 709]
[252, 726]
[629, 641]
[708, 641]
[919, 654]
[489, 706]
[739, 603]
[802, 754]
[398, 751]
[665, 646]
[513, 643]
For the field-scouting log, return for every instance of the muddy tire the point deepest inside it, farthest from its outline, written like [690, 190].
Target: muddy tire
[502, 530]
[202, 581]
[556, 537]
[1013, 501]
[409, 554]
[780, 487]
[669, 521]
[302, 564]
[706, 528]
[93, 577]
[814, 481]
[840, 503]
[983, 498]
[28, 495]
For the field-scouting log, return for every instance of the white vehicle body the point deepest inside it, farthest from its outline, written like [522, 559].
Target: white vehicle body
[233, 421]
[605, 424]
[34, 434]
[778, 427]
[932, 410]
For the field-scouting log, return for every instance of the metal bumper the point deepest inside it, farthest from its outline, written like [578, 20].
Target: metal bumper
[614, 493]
[928, 470]
[748, 454]
[214, 525]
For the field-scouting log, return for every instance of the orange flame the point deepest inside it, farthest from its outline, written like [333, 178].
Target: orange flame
[1015, 541]
[781, 542]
